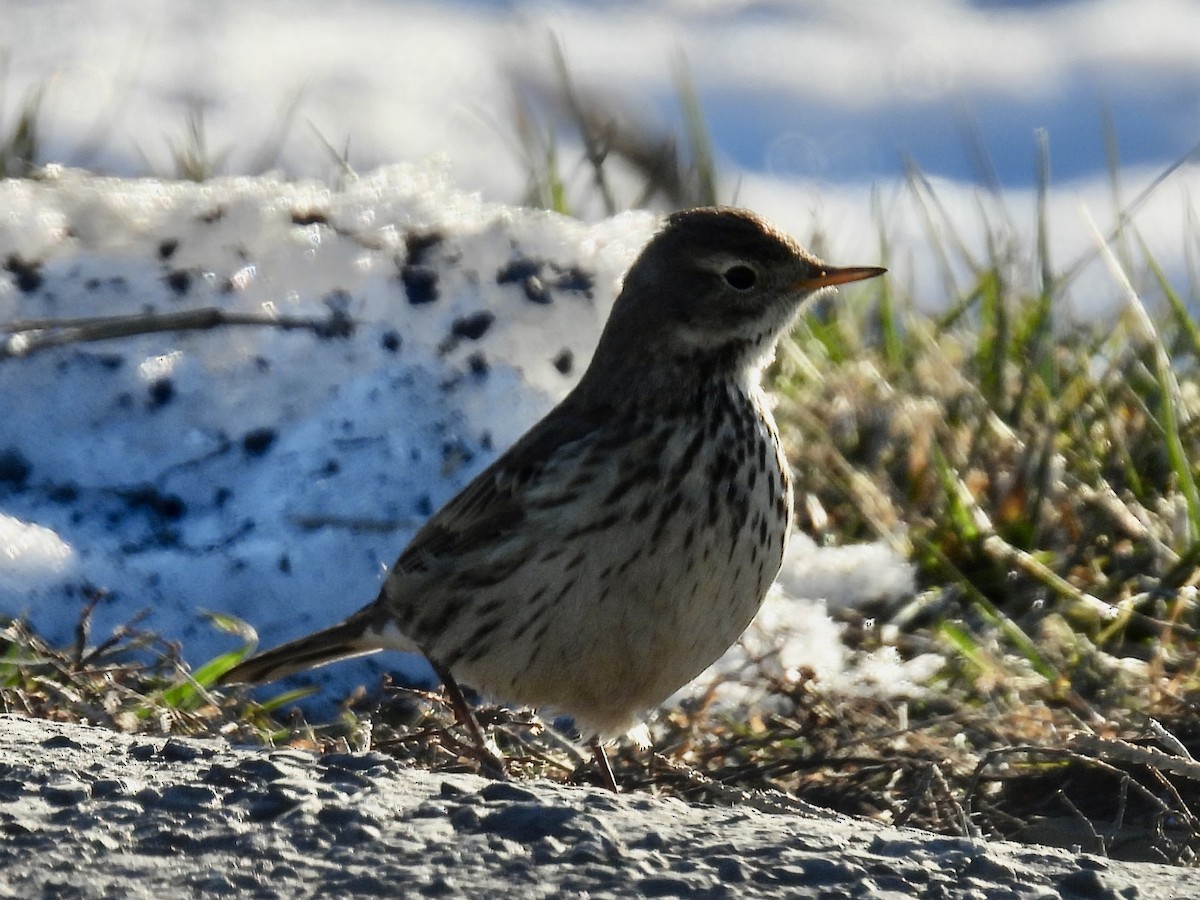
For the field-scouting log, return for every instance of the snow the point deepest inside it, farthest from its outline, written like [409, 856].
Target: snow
[30, 555]
[275, 474]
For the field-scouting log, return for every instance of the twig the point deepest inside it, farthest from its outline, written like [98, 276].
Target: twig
[1123, 751]
[1174, 744]
[32, 335]
[969, 828]
[763, 801]
[1087, 823]
[1075, 752]
[919, 794]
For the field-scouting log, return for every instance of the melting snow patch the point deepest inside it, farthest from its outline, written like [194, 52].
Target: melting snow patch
[30, 555]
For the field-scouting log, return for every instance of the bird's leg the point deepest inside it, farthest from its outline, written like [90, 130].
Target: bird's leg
[606, 772]
[462, 711]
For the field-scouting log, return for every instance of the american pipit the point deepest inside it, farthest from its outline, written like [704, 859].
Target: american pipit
[627, 540]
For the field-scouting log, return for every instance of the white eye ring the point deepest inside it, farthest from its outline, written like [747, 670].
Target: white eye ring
[740, 277]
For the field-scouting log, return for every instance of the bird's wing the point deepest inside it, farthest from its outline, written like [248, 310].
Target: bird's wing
[494, 507]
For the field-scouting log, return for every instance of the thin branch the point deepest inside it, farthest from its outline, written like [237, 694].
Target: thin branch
[33, 335]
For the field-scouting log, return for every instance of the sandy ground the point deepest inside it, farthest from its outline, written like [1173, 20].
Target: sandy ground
[90, 813]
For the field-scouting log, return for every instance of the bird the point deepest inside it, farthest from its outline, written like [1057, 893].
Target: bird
[625, 542]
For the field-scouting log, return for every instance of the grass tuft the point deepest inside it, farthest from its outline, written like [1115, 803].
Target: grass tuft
[20, 142]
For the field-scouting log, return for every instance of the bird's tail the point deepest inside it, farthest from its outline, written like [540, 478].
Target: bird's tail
[358, 635]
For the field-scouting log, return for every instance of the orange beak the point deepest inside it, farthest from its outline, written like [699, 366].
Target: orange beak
[831, 275]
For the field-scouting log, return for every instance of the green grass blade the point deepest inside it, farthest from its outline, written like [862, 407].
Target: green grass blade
[889, 319]
[699, 142]
[1172, 413]
[1180, 313]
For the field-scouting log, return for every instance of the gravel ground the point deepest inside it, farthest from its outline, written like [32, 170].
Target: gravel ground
[90, 813]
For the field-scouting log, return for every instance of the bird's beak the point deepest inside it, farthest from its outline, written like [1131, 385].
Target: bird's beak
[828, 276]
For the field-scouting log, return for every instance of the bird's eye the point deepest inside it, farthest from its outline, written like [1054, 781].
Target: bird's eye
[740, 278]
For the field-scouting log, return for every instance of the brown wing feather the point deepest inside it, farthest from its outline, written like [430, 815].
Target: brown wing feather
[487, 512]
[492, 507]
